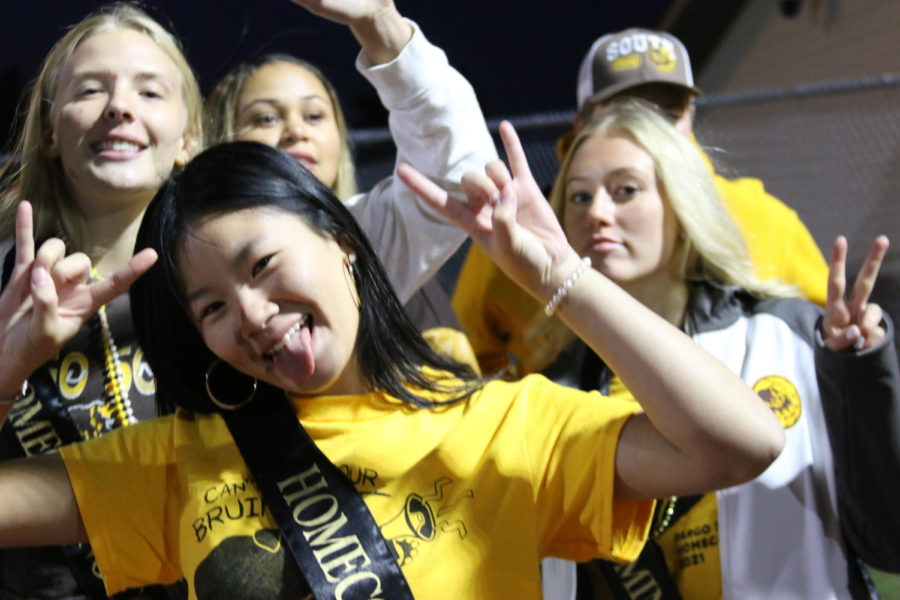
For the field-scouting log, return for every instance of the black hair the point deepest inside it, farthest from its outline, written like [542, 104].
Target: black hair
[244, 175]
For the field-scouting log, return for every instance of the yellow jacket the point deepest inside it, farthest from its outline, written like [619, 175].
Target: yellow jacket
[494, 311]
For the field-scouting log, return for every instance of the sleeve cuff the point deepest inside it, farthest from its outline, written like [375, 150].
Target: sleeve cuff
[824, 350]
[403, 77]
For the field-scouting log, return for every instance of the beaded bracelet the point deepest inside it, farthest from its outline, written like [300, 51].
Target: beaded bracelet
[10, 400]
[563, 290]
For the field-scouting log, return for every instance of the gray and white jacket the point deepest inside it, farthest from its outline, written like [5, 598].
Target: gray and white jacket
[794, 531]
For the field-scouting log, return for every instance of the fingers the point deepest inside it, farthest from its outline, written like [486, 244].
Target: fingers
[514, 152]
[483, 189]
[456, 211]
[423, 187]
[64, 270]
[855, 323]
[24, 234]
[19, 288]
[503, 217]
[53, 271]
[498, 173]
[871, 331]
[843, 339]
[480, 188]
[837, 278]
[105, 290]
[50, 253]
[71, 270]
[45, 302]
[865, 279]
[868, 333]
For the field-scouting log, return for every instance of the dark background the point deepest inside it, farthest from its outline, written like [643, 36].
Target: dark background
[521, 56]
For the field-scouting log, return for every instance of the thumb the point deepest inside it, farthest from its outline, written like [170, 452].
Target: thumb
[107, 289]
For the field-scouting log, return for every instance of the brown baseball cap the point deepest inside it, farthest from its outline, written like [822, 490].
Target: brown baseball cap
[618, 61]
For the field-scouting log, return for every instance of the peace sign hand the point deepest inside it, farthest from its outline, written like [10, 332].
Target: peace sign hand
[854, 322]
[48, 299]
[506, 213]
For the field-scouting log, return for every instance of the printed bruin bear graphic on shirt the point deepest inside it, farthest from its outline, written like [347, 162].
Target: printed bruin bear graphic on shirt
[251, 568]
[244, 567]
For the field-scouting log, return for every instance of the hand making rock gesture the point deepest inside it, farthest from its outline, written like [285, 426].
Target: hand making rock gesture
[506, 214]
[48, 298]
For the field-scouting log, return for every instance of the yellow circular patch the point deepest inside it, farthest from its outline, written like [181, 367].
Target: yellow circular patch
[781, 396]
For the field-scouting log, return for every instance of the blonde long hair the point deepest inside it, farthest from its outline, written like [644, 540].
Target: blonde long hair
[39, 178]
[220, 113]
[713, 248]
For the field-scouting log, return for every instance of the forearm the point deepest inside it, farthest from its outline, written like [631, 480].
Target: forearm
[716, 429]
[39, 507]
[437, 126]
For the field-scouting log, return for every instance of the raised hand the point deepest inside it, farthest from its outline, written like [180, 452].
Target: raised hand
[506, 214]
[345, 12]
[853, 322]
[377, 26]
[48, 299]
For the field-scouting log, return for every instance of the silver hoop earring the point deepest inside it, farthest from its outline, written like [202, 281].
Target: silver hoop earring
[226, 405]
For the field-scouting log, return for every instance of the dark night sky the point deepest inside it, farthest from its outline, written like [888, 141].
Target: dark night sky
[521, 56]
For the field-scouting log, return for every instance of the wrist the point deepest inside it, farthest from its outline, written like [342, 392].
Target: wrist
[382, 35]
[575, 271]
[15, 373]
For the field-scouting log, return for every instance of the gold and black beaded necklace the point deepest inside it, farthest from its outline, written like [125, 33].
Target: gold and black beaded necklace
[113, 375]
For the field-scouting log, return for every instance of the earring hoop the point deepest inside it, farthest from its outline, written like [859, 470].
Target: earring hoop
[226, 405]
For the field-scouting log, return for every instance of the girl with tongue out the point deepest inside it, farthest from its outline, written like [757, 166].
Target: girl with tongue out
[114, 110]
[268, 317]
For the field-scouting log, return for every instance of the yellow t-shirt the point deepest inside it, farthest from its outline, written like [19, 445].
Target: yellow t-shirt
[470, 496]
[452, 344]
[494, 311]
[691, 548]
[781, 246]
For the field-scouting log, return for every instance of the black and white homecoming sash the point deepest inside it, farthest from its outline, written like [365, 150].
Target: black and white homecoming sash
[322, 518]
